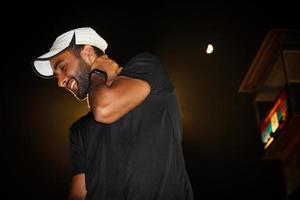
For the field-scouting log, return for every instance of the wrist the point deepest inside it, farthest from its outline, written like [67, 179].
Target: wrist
[99, 73]
[97, 77]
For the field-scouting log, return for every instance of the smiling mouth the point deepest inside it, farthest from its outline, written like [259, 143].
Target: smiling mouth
[72, 85]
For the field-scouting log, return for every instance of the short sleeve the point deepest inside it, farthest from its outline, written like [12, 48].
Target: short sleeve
[77, 155]
[147, 67]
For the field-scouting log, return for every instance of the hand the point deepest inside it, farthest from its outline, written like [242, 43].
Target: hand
[109, 66]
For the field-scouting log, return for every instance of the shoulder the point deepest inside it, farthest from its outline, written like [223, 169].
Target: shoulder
[82, 121]
[144, 57]
[148, 67]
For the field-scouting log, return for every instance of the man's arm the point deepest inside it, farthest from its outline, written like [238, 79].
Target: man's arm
[77, 188]
[108, 104]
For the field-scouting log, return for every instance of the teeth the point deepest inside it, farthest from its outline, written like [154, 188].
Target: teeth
[72, 84]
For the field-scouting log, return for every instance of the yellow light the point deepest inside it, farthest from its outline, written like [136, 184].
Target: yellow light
[274, 122]
[271, 139]
[209, 49]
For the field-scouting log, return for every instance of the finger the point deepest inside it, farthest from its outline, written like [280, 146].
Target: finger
[119, 70]
[108, 83]
[110, 80]
[115, 63]
[104, 56]
[114, 75]
[98, 62]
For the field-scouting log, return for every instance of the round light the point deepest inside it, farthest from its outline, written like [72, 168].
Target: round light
[209, 49]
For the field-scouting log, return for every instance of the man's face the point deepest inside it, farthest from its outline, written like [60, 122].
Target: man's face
[72, 73]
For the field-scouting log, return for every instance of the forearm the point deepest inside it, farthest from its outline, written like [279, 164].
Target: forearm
[98, 97]
[77, 188]
[109, 104]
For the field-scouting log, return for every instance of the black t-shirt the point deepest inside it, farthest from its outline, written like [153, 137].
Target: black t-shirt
[139, 156]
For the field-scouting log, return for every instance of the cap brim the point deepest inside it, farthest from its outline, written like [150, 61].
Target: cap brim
[42, 66]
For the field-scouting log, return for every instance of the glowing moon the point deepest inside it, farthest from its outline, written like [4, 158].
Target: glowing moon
[209, 49]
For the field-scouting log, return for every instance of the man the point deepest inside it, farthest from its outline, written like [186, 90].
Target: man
[129, 145]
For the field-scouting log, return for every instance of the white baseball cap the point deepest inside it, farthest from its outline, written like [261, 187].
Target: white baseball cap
[82, 36]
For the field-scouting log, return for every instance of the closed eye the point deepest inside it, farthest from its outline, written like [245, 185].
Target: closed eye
[60, 68]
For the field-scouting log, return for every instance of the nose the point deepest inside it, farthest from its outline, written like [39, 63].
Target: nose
[61, 80]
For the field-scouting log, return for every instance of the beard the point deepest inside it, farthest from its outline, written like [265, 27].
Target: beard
[82, 78]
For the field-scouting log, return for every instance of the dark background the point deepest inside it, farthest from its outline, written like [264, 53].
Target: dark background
[220, 140]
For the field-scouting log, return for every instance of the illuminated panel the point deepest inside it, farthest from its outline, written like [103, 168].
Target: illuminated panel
[275, 120]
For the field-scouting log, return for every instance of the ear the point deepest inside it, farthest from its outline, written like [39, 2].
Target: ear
[88, 54]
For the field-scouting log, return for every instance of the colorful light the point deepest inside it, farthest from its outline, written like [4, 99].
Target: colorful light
[274, 120]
